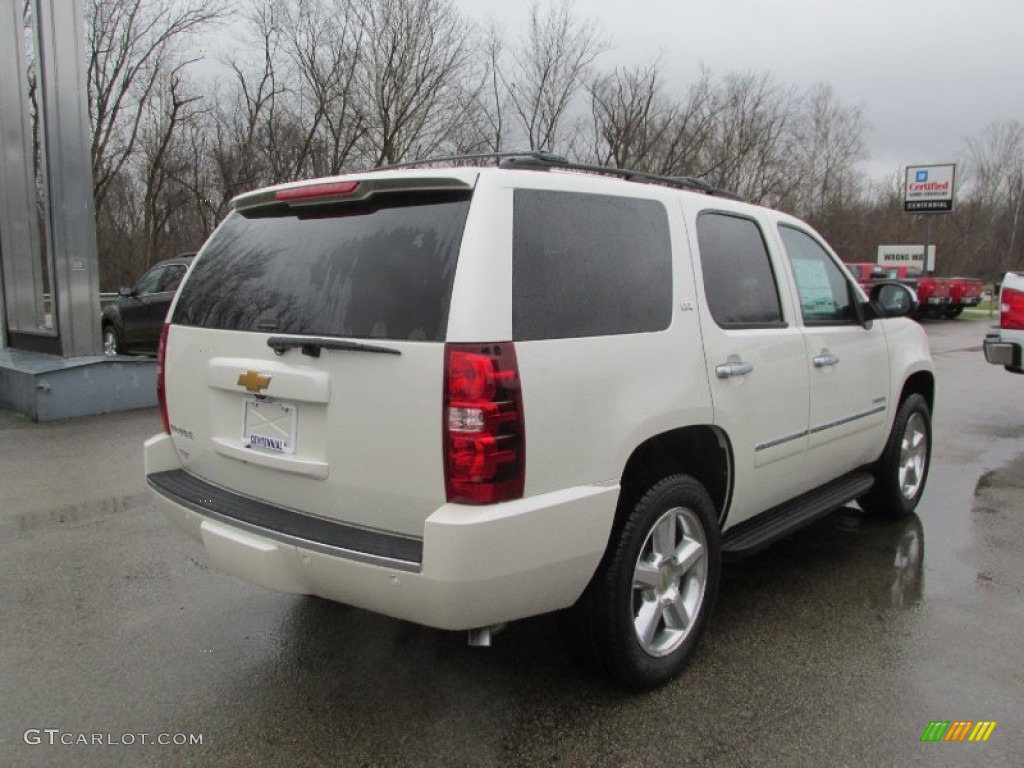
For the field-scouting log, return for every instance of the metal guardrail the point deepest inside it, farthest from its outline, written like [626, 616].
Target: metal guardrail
[105, 298]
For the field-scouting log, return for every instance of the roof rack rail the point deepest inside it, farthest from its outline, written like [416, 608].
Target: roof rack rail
[539, 158]
[536, 160]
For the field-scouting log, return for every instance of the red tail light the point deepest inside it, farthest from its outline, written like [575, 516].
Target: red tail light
[484, 444]
[161, 392]
[1011, 310]
[315, 191]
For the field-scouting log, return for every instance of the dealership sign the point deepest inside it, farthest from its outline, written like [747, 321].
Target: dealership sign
[929, 189]
[906, 255]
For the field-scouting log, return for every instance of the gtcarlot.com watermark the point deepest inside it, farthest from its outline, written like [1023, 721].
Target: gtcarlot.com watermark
[56, 736]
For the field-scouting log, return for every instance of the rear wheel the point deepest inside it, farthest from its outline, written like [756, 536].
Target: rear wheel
[901, 472]
[644, 613]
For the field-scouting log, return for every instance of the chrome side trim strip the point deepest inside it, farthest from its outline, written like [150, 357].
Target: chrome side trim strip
[846, 420]
[780, 441]
[819, 428]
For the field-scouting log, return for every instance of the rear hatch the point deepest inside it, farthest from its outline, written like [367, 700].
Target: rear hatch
[305, 353]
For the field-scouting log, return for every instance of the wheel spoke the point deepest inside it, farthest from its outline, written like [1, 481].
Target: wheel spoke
[647, 620]
[676, 615]
[689, 554]
[645, 576]
[910, 477]
[665, 536]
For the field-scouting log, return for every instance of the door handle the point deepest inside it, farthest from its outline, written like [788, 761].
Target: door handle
[728, 370]
[823, 361]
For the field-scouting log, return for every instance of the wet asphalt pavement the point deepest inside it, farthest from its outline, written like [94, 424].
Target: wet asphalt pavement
[834, 647]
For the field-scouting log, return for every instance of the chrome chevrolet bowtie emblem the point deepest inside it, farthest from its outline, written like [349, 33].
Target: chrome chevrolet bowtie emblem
[254, 381]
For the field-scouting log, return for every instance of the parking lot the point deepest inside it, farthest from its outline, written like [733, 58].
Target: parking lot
[837, 646]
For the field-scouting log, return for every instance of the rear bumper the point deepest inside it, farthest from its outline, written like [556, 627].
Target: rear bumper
[474, 567]
[1005, 353]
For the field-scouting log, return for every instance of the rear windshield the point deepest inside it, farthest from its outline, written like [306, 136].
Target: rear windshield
[376, 270]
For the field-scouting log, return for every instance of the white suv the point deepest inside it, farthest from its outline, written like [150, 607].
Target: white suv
[464, 396]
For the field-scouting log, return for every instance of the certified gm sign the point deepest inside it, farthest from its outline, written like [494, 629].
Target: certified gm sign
[929, 188]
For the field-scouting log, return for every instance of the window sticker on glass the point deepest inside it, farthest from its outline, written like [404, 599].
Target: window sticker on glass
[815, 289]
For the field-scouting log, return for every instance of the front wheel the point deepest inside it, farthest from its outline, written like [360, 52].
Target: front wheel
[111, 344]
[901, 472]
[648, 604]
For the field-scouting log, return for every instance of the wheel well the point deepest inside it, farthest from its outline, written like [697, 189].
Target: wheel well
[700, 451]
[921, 383]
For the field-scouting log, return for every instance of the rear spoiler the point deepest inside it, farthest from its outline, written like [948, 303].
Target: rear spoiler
[356, 190]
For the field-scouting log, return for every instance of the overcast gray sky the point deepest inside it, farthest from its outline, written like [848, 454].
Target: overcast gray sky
[927, 73]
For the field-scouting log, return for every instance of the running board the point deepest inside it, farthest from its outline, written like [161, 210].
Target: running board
[760, 531]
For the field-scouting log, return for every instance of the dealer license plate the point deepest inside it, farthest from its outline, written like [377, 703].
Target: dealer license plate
[269, 425]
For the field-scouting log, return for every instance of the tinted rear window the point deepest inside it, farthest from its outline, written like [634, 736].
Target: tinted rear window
[380, 270]
[589, 265]
[738, 277]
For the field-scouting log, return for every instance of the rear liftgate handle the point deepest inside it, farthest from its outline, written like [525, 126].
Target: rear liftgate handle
[728, 370]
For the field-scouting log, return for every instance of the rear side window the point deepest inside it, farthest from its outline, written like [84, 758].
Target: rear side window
[171, 278]
[381, 269]
[589, 265]
[738, 277]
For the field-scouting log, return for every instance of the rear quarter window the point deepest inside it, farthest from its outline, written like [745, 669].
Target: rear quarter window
[589, 265]
[381, 269]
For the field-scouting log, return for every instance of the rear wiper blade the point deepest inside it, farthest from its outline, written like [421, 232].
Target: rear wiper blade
[311, 345]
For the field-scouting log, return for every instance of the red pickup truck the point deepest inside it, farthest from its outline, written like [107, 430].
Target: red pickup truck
[933, 293]
[965, 292]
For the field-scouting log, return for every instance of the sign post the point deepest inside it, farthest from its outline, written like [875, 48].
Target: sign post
[929, 189]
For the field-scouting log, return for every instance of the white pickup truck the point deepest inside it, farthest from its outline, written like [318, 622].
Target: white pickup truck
[1004, 347]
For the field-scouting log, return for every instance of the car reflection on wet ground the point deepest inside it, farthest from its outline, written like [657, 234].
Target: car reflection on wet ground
[836, 646]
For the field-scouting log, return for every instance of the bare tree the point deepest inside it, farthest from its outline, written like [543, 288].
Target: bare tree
[484, 126]
[250, 118]
[548, 68]
[995, 189]
[630, 117]
[131, 44]
[165, 160]
[414, 76]
[827, 145]
[749, 143]
[327, 46]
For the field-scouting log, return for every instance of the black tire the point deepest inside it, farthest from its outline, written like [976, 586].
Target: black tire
[956, 312]
[674, 606]
[111, 341]
[902, 470]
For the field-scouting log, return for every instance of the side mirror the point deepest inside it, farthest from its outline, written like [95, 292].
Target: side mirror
[125, 291]
[893, 300]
